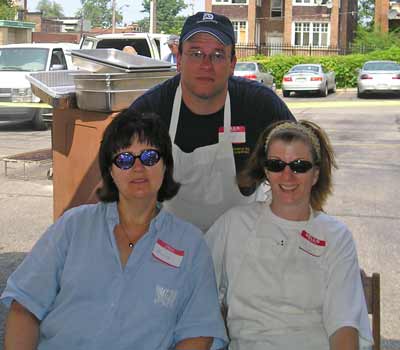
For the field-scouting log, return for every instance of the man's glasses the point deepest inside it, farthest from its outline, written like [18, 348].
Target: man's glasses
[126, 160]
[297, 166]
[199, 56]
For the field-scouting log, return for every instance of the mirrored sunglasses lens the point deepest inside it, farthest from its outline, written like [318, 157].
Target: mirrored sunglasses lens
[124, 160]
[275, 165]
[300, 166]
[149, 157]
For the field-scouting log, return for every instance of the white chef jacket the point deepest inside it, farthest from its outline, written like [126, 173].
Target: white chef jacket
[286, 284]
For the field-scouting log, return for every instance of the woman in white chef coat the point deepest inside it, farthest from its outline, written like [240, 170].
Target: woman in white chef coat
[288, 273]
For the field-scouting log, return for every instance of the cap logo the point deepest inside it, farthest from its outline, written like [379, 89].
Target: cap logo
[208, 17]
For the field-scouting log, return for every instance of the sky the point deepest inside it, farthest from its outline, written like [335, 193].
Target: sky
[131, 13]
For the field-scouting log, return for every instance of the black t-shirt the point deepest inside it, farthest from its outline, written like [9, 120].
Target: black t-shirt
[253, 108]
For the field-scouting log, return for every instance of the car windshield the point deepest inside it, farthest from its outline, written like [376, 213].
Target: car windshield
[244, 66]
[305, 69]
[23, 59]
[381, 66]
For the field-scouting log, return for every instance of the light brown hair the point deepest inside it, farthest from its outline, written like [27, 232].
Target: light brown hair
[254, 171]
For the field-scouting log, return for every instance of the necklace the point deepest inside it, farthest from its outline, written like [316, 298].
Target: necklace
[131, 244]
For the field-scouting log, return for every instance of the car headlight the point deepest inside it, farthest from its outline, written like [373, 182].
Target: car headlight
[23, 95]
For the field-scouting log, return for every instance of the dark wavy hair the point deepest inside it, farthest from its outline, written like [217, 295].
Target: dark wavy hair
[254, 172]
[119, 134]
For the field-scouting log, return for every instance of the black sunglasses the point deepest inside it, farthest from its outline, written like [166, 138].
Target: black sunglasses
[297, 166]
[147, 157]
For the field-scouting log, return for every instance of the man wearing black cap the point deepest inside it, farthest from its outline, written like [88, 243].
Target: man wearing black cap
[214, 119]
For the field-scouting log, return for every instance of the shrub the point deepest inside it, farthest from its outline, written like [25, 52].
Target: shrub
[345, 67]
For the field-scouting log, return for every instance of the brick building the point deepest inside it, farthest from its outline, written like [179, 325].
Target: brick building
[297, 23]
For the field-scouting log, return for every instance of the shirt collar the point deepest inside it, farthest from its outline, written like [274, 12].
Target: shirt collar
[113, 217]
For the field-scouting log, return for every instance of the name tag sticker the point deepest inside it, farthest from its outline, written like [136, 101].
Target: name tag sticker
[238, 134]
[163, 252]
[311, 245]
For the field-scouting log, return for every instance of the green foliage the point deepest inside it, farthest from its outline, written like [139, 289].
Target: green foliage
[366, 13]
[168, 20]
[99, 13]
[144, 24]
[375, 38]
[345, 67]
[50, 9]
[8, 10]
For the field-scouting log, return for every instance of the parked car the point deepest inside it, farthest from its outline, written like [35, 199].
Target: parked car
[17, 102]
[308, 77]
[378, 76]
[254, 71]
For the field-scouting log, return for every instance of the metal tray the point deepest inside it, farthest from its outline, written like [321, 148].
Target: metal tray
[106, 101]
[112, 60]
[55, 88]
[118, 81]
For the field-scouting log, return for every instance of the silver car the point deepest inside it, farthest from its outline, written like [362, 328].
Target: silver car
[378, 76]
[254, 71]
[310, 78]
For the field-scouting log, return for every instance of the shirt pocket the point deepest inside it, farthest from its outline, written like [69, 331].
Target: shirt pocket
[305, 281]
[165, 290]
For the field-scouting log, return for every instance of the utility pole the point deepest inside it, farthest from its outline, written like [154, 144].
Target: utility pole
[25, 9]
[113, 15]
[153, 16]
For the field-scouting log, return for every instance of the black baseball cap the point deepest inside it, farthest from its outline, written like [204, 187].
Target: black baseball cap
[207, 22]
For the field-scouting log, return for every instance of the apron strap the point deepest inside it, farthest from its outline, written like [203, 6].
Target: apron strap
[176, 109]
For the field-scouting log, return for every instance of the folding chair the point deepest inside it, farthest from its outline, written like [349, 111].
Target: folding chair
[372, 291]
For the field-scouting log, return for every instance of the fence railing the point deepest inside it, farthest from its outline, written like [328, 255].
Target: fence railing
[246, 50]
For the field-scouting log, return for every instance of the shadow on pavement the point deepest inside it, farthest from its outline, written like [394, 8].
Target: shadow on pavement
[392, 344]
[380, 96]
[25, 126]
[8, 263]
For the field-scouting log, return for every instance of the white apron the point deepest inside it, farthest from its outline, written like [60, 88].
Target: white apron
[268, 276]
[207, 175]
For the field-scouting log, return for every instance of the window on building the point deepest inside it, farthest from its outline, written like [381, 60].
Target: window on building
[240, 29]
[229, 2]
[303, 2]
[312, 2]
[314, 34]
[276, 8]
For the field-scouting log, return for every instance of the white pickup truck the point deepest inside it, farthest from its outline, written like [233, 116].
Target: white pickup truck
[17, 102]
[146, 44]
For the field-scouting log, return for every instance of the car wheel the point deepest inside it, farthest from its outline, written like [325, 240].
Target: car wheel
[38, 122]
[360, 94]
[285, 93]
[324, 91]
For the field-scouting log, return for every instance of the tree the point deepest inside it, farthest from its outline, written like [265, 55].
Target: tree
[8, 10]
[371, 39]
[168, 20]
[366, 13]
[50, 9]
[99, 13]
